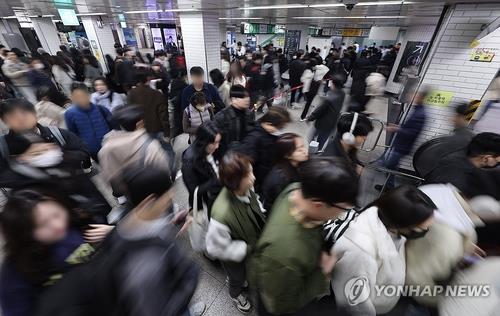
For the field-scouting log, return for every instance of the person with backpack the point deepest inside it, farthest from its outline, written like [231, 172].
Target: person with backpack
[105, 97]
[88, 121]
[197, 113]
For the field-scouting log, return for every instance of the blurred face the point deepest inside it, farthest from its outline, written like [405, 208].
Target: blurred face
[300, 154]
[81, 98]
[316, 210]
[100, 86]
[20, 120]
[234, 69]
[248, 181]
[11, 56]
[211, 148]
[489, 161]
[241, 103]
[198, 80]
[51, 222]
[360, 140]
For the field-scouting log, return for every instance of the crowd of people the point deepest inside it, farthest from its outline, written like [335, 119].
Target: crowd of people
[283, 220]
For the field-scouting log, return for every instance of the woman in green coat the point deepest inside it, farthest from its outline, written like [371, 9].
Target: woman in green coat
[236, 223]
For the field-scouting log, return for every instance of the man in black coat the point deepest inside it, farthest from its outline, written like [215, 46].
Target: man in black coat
[326, 115]
[297, 67]
[235, 121]
[259, 143]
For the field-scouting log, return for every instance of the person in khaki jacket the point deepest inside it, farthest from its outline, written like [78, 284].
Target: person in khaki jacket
[131, 145]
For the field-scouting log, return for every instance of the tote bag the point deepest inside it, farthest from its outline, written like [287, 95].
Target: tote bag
[199, 226]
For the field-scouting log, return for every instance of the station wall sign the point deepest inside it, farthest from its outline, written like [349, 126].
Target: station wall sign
[482, 54]
[439, 98]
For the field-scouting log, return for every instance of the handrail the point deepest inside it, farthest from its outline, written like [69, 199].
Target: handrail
[375, 143]
[393, 172]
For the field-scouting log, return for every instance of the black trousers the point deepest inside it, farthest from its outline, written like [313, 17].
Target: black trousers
[293, 93]
[313, 90]
[236, 272]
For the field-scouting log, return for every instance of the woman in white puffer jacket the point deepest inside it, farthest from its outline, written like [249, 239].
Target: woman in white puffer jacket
[371, 252]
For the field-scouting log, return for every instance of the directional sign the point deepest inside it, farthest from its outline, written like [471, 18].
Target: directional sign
[412, 59]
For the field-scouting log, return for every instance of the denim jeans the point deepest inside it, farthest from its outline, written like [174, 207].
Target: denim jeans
[391, 161]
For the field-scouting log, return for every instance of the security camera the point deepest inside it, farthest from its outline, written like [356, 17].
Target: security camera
[349, 6]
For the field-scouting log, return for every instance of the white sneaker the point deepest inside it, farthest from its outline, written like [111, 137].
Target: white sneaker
[197, 309]
[242, 303]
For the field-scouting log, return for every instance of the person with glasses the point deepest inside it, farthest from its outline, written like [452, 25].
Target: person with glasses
[289, 268]
[371, 251]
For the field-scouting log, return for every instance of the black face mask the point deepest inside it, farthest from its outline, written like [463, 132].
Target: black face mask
[415, 234]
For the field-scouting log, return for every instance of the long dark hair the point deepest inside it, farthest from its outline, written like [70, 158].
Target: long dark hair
[240, 70]
[217, 77]
[205, 135]
[30, 257]
[284, 147]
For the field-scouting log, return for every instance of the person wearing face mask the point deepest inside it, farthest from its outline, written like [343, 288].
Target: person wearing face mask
[237, 219]
[235, 121]
[372, 250]
[259, 144]
[105, 97]
[198, 112]
[468, 170]
[291, 151]
[44, 240]
[352, 132]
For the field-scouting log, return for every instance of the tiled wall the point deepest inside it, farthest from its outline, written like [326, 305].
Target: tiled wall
[450, 68]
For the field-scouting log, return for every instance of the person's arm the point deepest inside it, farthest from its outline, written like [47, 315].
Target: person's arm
[70, 124]
[74, 149]
[157, 281]
[185, 98]
[220, 244]
[355, 265]
[163, 115]
[13, 74]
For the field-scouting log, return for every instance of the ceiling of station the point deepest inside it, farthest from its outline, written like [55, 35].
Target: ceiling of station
[311, 12]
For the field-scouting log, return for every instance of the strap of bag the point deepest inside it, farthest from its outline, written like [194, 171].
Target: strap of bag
[195, 203]
[4, 149]
[143, 149]
[56, 132]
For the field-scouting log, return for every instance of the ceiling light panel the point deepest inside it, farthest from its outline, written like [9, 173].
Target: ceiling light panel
[241, 18]
[278, 6]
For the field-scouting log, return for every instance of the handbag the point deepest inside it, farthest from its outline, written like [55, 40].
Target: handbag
[199, 226]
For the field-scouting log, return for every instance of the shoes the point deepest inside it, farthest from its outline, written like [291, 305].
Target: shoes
[197, 309]
[245, 284]
[242, 303]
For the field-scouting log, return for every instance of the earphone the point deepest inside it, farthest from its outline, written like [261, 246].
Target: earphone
[349, 137]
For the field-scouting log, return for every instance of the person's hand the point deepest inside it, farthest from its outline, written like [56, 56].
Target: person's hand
[97, 232]
[327, 262]
[392, 128]
[188, 221]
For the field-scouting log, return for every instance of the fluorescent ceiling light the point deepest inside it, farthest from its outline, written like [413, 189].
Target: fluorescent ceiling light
[55, 21]
[352, 17]
[241, 18]
[9, 17]
[278, 6]
[90, 14]
[48, 15]
[383, 3]
[143, 11]
[181, 10]
[326, 5]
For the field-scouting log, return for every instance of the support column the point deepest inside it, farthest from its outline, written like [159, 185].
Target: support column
[200, 34]
[101, 38]
[47, 34]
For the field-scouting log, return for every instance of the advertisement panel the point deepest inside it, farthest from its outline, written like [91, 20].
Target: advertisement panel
[157, 39]
[171, 39]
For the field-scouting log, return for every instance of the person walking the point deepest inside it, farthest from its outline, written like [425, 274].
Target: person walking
[237, 219]
[63, 74]
[291, 151]
[197, 113]
[17, 72]
[88, 121]
[326, 115]
[105, 97]
[297, 68]
[235, 121]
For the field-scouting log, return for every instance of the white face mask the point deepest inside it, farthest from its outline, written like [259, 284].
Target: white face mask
[278, 132]
[47, 159]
